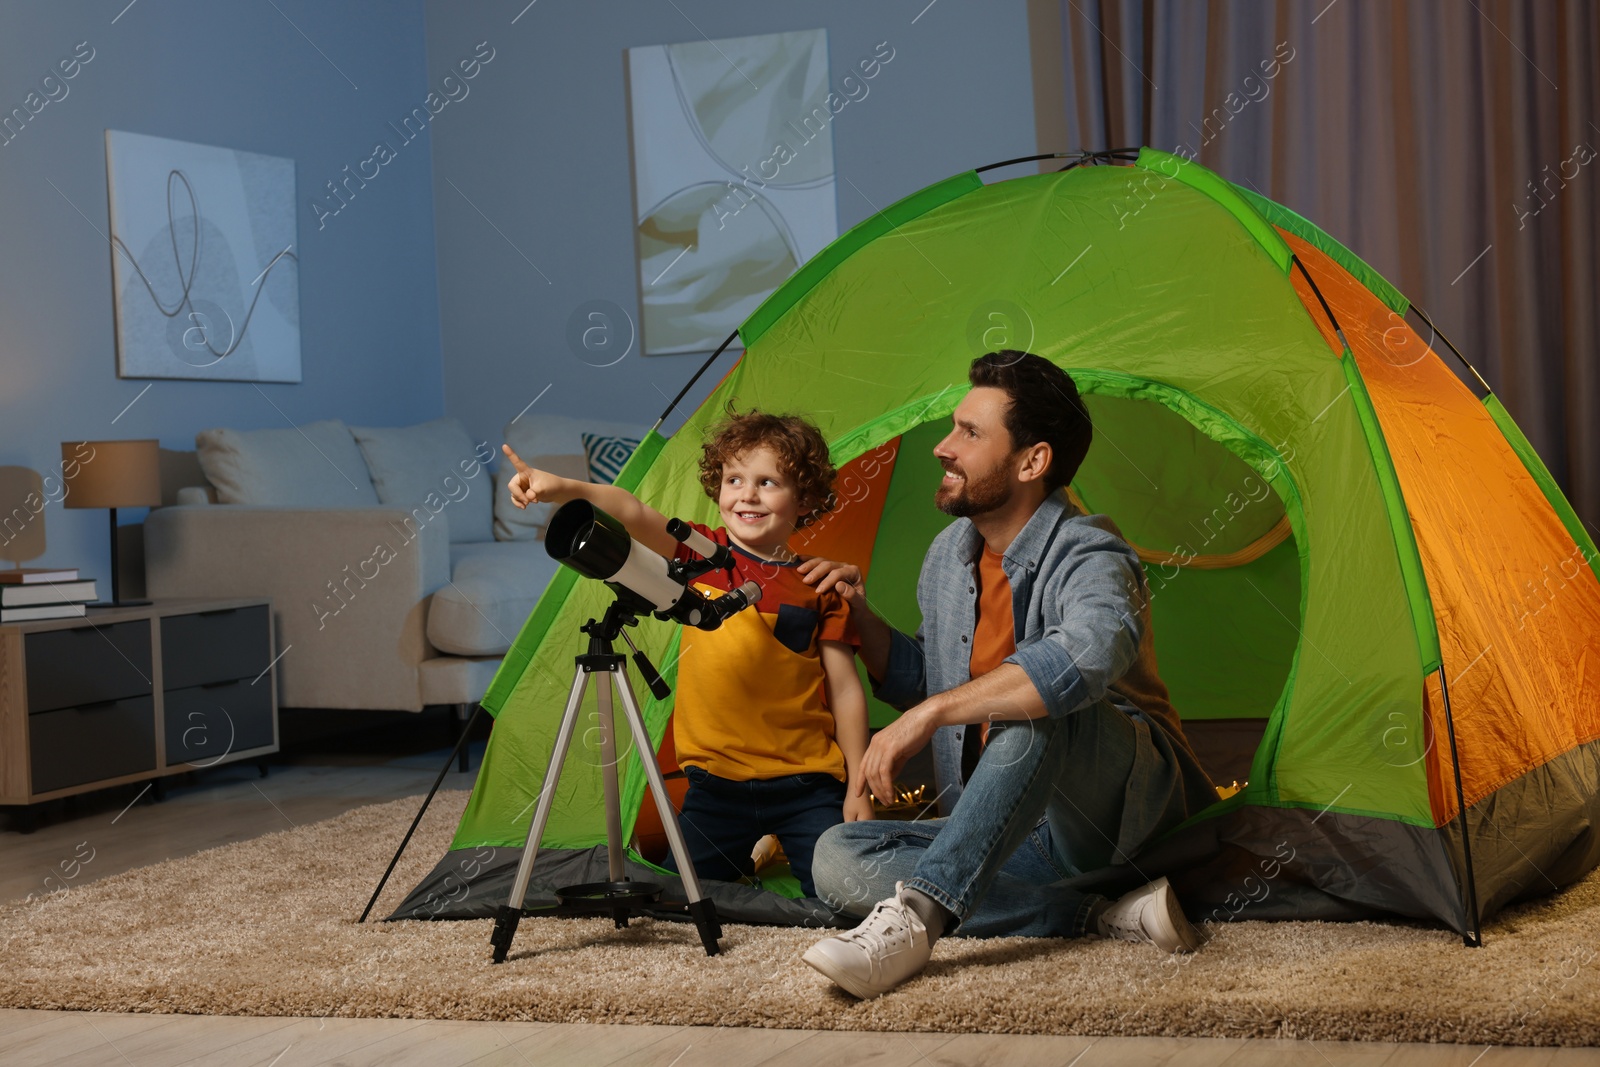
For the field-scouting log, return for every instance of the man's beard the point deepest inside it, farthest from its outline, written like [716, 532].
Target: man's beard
[972, 496]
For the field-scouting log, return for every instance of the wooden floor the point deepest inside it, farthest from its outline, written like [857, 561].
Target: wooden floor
[69, 1038]
[126, 829]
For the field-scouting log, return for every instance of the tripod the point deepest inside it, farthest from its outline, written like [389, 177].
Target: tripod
[618, 898]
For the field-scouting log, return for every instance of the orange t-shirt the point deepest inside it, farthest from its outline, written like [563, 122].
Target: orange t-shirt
[752, 697]
[995, 636]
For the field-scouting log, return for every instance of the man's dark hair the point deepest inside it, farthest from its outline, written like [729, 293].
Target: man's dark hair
[1045, 406]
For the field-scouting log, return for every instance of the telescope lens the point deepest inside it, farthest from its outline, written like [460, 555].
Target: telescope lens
[583, 537]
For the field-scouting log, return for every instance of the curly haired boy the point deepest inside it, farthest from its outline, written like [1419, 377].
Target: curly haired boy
[770, 722]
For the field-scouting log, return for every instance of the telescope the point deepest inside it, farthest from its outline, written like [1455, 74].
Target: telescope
[597, 546]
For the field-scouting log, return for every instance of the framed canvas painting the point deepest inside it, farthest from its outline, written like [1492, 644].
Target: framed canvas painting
[733, 178]
[205, 277]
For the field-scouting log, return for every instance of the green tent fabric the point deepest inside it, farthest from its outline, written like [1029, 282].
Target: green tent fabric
[1220, 414]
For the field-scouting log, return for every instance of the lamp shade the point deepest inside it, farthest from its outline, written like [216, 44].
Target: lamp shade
[111, 474]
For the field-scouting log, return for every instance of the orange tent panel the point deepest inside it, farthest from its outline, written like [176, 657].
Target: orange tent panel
[1516, 604]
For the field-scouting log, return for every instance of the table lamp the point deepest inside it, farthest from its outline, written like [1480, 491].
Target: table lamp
[112, 474]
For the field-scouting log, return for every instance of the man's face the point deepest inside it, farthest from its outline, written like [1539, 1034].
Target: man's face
[979, 474]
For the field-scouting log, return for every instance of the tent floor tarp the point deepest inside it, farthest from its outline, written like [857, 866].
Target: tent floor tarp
[472, 883]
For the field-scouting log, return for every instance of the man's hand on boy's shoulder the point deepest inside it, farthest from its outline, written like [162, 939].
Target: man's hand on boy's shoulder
[529, 485]
[828, 574]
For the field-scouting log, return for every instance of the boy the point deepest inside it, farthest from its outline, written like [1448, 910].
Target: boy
[770, 723]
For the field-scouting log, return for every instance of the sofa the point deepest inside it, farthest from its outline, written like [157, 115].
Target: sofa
[398, 568]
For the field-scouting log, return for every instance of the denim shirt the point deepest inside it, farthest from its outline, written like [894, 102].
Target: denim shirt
[1081, 616]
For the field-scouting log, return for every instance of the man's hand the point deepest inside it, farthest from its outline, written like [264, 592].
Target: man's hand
[828, 574]
[892, 746]
[857, 807]
[530, 485]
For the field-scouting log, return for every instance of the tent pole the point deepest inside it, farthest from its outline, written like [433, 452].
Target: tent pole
[690, 383]
[460, 749]
[1423, 315]
[1420, 314]
[1326, 310]
[1473, 936]
[1077, 157]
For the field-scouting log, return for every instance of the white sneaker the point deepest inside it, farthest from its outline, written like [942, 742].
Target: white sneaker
[890, 946]
[1152, 915]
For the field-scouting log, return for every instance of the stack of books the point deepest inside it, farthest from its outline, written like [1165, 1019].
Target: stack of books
[43, 593]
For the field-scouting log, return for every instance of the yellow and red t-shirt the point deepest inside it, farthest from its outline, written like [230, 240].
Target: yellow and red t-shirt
[751, 696]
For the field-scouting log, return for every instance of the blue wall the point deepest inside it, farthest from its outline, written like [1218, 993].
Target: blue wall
[540, 149]
[239, 76]
[538, 145]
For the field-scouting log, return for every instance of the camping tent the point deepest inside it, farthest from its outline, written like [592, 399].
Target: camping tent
[1341, 538]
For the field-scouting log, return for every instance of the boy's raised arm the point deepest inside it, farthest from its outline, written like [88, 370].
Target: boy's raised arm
[645, 524]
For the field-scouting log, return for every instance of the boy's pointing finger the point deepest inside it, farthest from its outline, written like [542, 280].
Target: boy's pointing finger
[516, 460]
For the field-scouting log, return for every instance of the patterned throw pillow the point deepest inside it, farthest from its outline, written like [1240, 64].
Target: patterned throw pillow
[606, 455]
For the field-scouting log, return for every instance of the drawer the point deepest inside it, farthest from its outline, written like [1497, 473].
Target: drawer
[71, 746]
[87, 665]
[214, 646]
[206, 724]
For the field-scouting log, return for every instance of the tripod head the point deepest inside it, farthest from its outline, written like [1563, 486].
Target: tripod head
[623, 612]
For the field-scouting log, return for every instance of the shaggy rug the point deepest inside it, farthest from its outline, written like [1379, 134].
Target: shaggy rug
[267, 927]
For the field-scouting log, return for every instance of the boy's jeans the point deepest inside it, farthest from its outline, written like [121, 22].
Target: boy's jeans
[722, 820]
[1045, 803]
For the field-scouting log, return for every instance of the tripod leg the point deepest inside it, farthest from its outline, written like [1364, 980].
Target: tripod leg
[608, 776]
[608, 753]
[510, 914]
[461, 749]
[701, 908]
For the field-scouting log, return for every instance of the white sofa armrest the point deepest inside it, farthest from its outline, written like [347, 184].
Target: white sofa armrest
[349, 589]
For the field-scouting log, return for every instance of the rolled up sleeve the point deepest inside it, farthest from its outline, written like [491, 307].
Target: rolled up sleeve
[905, 680]
[1093, 638]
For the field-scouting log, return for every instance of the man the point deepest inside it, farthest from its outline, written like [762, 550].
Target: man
[1056, 750]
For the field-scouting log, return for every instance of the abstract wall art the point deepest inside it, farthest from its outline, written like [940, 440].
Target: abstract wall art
[733, 178]
[205, 274]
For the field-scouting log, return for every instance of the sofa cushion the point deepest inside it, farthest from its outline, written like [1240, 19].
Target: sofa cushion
[543, 437]
[433, 467]
[456, 679]
[315, 465]
[493, 588]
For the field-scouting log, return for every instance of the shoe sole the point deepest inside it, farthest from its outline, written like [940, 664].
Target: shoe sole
[1181, 930]
[824, 966]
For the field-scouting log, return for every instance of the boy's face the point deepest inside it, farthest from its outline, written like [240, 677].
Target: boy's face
[757, 500]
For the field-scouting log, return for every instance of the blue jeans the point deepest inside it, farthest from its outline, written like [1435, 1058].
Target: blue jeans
[722, 820]
[1045, 803]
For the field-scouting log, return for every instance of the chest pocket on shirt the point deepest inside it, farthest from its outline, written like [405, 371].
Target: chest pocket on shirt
[796, 626]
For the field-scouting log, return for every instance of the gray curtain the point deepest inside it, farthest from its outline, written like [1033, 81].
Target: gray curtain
[1452, 145]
